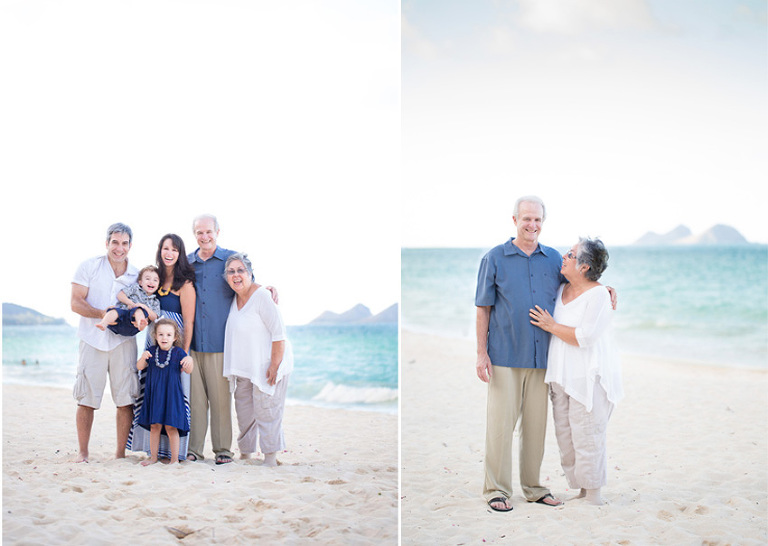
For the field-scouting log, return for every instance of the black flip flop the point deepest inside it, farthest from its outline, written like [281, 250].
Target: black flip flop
[499, 499]
[548, 496]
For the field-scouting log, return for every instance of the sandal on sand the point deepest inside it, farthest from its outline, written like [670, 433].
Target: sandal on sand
[223, 459]
[552, 500]
[502, 500]
[192, 457]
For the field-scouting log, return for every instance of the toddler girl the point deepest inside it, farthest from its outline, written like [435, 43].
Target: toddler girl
[163, 397]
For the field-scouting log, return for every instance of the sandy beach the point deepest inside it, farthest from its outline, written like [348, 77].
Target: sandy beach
[687, 447]
[337, 483]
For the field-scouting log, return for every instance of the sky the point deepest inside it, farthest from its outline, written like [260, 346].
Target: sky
[281, 118]
[325, 136]
[624, 116]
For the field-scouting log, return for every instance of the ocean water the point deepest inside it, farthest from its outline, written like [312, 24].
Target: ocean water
[348, 367]
[702, 304]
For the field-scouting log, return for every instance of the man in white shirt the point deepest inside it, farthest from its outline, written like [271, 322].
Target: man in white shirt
[102, 352]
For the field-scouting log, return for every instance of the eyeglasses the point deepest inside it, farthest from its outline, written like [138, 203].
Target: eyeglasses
[240, 271]
[570, 255]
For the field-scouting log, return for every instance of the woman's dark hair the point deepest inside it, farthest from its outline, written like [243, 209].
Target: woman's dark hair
[593, 253]
[183, 270]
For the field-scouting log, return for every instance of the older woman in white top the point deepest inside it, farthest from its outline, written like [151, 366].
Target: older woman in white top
[583, 370]
[257, 362]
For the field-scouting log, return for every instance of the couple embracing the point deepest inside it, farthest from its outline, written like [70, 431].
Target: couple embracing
[543, 329]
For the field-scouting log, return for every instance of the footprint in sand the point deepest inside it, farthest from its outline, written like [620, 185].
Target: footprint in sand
[666, 516]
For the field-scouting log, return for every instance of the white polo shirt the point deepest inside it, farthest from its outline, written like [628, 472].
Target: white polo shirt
[98, 277]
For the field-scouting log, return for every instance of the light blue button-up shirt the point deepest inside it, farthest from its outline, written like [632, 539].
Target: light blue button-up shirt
[214, 298]
[512, 283]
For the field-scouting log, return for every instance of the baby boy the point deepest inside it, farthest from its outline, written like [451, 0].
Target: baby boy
[137, 305]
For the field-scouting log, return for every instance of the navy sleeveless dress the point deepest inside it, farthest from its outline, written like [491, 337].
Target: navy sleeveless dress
[138, 439]
[163, 396]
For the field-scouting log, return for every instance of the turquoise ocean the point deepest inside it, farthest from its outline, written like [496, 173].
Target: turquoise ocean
[705, 304]
[347, 367]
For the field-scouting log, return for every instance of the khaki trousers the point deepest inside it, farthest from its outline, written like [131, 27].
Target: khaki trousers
[515, 394]
[209, 390]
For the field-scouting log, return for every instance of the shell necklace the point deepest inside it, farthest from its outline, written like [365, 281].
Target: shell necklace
[167, 358]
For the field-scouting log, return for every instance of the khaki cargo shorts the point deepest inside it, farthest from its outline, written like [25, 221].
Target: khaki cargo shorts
[94, 366]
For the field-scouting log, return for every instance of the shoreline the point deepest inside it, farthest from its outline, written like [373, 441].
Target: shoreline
[687, 454]
[289, 402]
[624, 353]
[337, 461]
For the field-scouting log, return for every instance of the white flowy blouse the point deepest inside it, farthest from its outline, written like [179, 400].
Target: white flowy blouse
[248, 341]
[577, 368]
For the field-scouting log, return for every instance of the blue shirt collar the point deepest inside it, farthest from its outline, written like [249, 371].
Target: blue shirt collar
[219, 253]
[511, 248]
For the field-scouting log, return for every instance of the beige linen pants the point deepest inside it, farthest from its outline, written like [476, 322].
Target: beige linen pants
[581, 437]
[515, 394]
[260, 416]
[209, 389]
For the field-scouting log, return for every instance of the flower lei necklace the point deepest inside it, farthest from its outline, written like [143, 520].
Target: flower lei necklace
[167, 358]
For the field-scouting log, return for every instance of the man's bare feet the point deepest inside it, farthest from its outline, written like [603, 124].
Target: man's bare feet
[148, 462]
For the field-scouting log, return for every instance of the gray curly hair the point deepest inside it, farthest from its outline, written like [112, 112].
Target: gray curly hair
[592, 252]
[239, 257]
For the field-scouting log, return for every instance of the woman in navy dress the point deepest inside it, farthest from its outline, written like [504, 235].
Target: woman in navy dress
[163, 408]
[176, 295]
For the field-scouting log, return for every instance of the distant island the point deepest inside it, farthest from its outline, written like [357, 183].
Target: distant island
[16, 315]
[359, 314]
[719, 234]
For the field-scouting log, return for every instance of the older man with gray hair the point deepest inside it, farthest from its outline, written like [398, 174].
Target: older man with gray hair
[514, 278]
[209, 389]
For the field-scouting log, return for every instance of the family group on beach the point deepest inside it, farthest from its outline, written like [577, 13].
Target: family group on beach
[212, 331]
[569, 356]
[543, 332]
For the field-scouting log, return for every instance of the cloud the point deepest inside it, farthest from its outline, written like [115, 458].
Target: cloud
[415, 43]
[748, 14]
[578, 16]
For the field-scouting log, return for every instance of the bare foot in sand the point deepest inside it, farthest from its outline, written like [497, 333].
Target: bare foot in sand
[82, 457]
[581, 495]
[148, 462]
[270, 459]
[593, 497]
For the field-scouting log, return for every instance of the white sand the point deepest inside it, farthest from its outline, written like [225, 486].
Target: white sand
[687, 447]
[337, 483]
